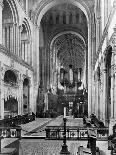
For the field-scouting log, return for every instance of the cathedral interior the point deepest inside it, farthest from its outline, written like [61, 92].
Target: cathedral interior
[57, 61]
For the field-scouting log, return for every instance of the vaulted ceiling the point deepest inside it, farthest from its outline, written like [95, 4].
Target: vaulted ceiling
[71, 50]
[70, 47]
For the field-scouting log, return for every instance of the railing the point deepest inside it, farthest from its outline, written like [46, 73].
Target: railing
[10, 132]
[73, 133]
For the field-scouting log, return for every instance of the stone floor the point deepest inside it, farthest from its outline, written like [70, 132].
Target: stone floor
[41, 146]
[53, 147]
[36, 128]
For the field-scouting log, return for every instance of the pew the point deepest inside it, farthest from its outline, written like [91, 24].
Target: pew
[112, 141]
[98, 124]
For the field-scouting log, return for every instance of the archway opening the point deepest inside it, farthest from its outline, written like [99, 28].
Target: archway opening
[10, 107]
[108, 80]
[26, 96]
[10, 77]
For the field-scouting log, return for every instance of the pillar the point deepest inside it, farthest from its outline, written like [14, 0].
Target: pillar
[8, 37]
[104, 94]
[14, 39]
[89, 69]
[115, 83]
[112, 93]
[1, 92]
[19, 39]
[27, 6]
[1, 7]
[60, 18]
[20, 105]
[3, 35]
[67, 18]
[74, 18]
[11, 37]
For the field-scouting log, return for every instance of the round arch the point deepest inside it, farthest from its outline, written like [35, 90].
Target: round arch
[27, 26]
[43, 6]
[66, 32]
[10, 77]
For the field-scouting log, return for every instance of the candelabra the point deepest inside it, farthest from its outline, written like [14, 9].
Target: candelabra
[64, 150]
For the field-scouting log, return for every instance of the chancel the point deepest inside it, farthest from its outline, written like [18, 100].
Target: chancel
[57, 60]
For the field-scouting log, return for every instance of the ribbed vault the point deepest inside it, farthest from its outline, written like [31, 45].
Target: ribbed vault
[70, 50]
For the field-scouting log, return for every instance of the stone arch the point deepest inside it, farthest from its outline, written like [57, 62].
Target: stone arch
[66, 32]
[25, 40]
[10, 106]
[43, 6]
[10, 77]
[13, 8]
[27, 26]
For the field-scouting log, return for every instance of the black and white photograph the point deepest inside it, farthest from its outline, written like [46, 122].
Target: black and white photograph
[57, 77]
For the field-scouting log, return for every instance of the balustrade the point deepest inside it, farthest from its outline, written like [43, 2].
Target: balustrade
[74, 133]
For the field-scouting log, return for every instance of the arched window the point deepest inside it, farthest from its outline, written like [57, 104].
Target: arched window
[25, 43]
[10, 77]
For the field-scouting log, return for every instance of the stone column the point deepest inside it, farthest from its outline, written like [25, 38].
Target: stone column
[89, 68]
[27, 6]
[3, 35]
[104, 95]
[11, 38]
[17, 40]
[67, 18]
[112, 92]
[8, 36]
[74, 18]
[20, 106]
[26, 51]
[80, 17]
[114, 82]
[60, 18]
[14, 38]
[1, 91]
[1, 7]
